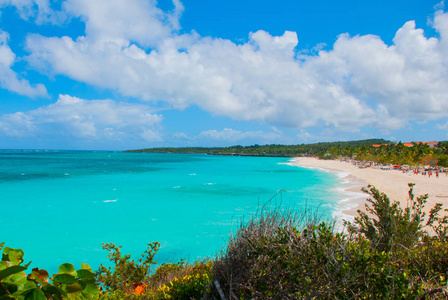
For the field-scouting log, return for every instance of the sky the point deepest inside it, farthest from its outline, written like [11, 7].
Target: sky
[131, 74]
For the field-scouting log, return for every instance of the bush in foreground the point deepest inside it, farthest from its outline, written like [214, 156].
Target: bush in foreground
[384, 255]
[68, 283]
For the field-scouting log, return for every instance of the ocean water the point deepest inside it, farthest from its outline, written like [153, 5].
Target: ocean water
[60, 206]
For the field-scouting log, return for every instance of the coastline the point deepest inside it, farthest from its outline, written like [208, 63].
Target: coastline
[393, 183]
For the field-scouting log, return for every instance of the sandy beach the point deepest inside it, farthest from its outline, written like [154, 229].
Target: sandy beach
[393, 183]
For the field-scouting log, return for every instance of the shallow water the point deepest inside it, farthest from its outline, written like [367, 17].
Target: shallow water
[60, 206]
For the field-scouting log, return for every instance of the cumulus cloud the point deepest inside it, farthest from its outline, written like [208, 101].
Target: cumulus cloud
[406, 80]
[9, 79]
[121, 22]
[231, 135]
[84, 119]
[39, 10]
[259, 80]
[361, 81]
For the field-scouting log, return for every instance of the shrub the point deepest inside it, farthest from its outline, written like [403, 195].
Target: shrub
[188, 282]
[387, 225]
[316, 262]
[128, 279]
[68, 283]
[126, 273]
[383, 255]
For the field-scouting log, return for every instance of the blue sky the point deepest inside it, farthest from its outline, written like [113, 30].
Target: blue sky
[116, 74]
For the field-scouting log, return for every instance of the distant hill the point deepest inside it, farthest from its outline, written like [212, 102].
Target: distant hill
[316, 149]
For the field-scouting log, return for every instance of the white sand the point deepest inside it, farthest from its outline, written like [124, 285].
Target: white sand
[391, 182]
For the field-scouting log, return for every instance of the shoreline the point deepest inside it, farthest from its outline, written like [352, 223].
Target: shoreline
[393, 183]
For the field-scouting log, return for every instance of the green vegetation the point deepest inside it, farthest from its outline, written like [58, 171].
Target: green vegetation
[66, 284]
[318, 149]
[127, 271]
[131, 280]
[387, 253]
[419, 154]
[275, 257]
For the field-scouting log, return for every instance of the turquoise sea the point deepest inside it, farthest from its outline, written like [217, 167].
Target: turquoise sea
[60, 206]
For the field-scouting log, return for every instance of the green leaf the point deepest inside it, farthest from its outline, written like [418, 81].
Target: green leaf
[64, 278]
[11, 270]
[67, 269]
[8, 288]
[29, 285]
[74, 287]
[17, 279]
[82, 283]
[41, 276]
[25, 289]
[6, 297]
[53, 290]
[4, 264]
[91, 289]
[13, 255]
[35, 294]
[85, 274]
[85, 266]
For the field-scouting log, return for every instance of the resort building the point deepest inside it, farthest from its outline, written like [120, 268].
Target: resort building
[432, 144]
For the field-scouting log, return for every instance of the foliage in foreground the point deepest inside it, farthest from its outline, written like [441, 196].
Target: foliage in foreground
[385, 254]
[129, 279]
[66, 284]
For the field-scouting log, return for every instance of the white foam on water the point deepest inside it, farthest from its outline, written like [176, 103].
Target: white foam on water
[109, 201]
[348, 199]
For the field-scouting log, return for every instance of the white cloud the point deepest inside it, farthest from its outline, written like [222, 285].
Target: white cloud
[9, 79]
[16, 125]
[442, 126]
[242, 82]
[121, 22]
[40, 10]
[407, 80]
[360, 82]
[151, 135]
[182, 136]
[24, 7]
[303, 135]
[85, 120]
[231, 135]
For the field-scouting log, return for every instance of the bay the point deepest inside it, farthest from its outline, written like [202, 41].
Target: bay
[60, 206]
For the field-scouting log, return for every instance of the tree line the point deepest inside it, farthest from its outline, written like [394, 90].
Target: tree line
[364, 150]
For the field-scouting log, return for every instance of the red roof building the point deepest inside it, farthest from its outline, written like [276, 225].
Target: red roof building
[410, 144]
[432, 144]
